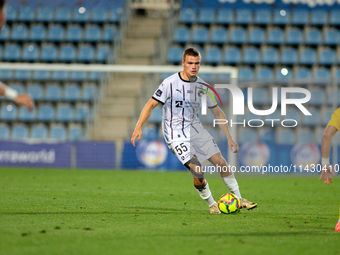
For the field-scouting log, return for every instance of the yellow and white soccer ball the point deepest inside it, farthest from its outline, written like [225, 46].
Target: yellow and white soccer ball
[229, 203]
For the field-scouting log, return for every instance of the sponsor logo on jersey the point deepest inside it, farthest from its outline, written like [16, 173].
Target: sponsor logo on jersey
[179, 104]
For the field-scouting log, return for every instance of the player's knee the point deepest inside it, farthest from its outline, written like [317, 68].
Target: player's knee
[193, 163]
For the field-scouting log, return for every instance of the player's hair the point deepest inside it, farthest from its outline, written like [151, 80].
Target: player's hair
[191, 52]
[2, 3]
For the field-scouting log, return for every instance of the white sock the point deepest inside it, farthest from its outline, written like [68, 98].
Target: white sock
[206, 195]
[232, 185]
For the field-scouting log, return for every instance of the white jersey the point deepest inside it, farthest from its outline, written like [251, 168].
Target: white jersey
[181, 105]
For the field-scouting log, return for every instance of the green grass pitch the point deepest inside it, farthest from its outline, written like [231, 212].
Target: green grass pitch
[140, 212]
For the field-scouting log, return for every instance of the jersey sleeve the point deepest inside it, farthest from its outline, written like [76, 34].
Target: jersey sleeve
[335, 119]
[211, 101]
[161, 94]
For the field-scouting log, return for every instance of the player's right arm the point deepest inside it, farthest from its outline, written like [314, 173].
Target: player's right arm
[146, 112]
[19, 99]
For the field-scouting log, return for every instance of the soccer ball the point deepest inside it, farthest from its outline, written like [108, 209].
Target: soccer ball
[229, 203]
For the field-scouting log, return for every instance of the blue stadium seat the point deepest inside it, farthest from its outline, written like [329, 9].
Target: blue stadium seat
[257, 36]
[318, 97]
[270, 56]
[312, 120]
[260, 96]
[303, 73]
[243, 16]
[103, 52]
[294, 114]
[37, 33]
[19, 131]
[251, 56]
[187, 16]
[246, 73]
[11, 52]
[110, 33]
[22, 75]
[11, 14]
[80, 15]
[313, 37]
[247, 135]
[115, 16]
[238, 36]
[78, 76]
[262, 17]
[26, 14]
[41, 75]
[224, 16]
[267, 135]
[5, 33]
[281, 17]
[85, 54]
[283, 77]
[58, 132]
[332, 37]
[44, 14]
[326, 57]
[307, 56]
[30, 52]
[98, 15]
[182, 35]
[65, 113]
[36, 91]
[200, 35]
[74, 33]
[289, 56]
[175, 54]
[8, 112]
[60, 75]
[219, 35]
[275, 36]
[294, 36]
[300, 17]
[206, 16]
[94, 76]
[156, 115]
[92, 33]
[56, 33]
[67, 53]
[89, 92]
[326, 116]
[62, 15]
[75, 133]
[26, 115]
[19, 33]
[334, 19]
[213, 55]
[318, 17]
[305, 136]
[6, 74]
[208, 76]
[39, 131]
[53, 93]
[46, 113]
[82, 112]
[232, 55]
[264, 73]
[322, 75]
[4, 132]
[49, 53]
[71, 93]
[18, 87]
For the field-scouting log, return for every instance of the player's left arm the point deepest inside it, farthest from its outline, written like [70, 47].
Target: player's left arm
[326, 145]
[219, 114]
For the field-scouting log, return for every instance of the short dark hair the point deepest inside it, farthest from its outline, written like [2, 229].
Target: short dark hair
[2, 3]
[191, 52]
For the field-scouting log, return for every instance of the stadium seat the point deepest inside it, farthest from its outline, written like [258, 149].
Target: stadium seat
[208, 76]
[85, 54]
[281, 17]
[300, 17]
[49, 53]
[75, 133]
[115, 16]
[238, 35]
[294, 36]
[219, 35]
[60, 75]
[53, 93]
[39, 132]
[41, 75]
[247, 135]
[46, 113]
[26, 14]
[257, 36]
[281, 76]
[62, 15]
[94, 76]
[8, 112]
[200, 35]
[175, 54]
[56, 33]
[262, 17]
[19, 33]
[332, 37]
[187, 16]
[182, 35]
[318, 17]
[11, 14]
[37, 33]
[65, 113]
[224, 16]
[264, 73]
[303, 73]
[318, 97]
[67, 53]
[19, 87]
[250, 116]
[89, 92]
[5, 33]
[92, 34]
[98, 15]
[275, 36]
[267, 135]
[246, 73]
[19, 131]
[80, 15]
[206, 16]
[58, 132]
[6, 74]
[74, 33]
[156, 115]
[305, 136]
[232, 55]
[71, 93]
[36, 91]
[78, 76]
[260, 97]
[4, 132]
[82, 112]
[312, 120]
[251, 56]
[286, 136]
[44, 14]
[110, 33]
[313, 37]
[213, 55]
[30, 52]
[26, 115]
[22, 75]
[289, 56]
[307, 56]
[334, 19]
[103, 51]
[270, 56]
[323, 74]
[326, 116]
[243, 16]
[326, 57]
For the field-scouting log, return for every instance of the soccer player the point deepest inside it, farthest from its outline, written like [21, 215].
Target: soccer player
[19, 99]
[331, 128]
[180, 94]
